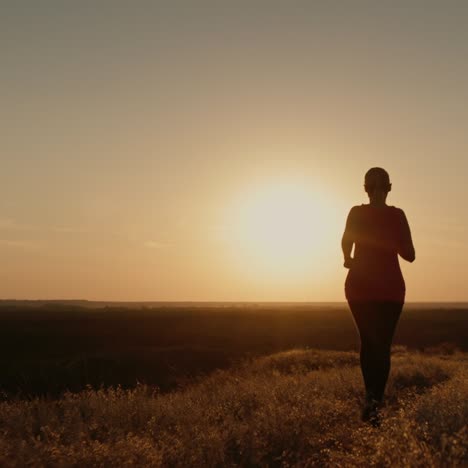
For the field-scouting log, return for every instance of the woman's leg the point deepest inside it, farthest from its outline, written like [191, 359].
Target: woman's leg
[376, 323]
[385, 325]
[363, 313]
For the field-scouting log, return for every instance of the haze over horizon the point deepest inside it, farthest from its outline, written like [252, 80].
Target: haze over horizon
[173, 151]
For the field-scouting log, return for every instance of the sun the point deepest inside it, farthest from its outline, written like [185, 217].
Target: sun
[281, 230]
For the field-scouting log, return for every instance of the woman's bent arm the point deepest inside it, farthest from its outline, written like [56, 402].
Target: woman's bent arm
[405, 246]
[347, 246]
[347, 240]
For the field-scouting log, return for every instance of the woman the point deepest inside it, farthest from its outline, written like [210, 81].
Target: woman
[374, 287]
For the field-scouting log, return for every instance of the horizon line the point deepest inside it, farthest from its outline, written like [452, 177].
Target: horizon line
[217, 302]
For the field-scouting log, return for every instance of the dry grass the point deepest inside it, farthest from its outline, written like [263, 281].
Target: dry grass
[296, 408]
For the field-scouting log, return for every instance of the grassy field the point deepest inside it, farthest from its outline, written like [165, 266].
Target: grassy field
[293, 408]
[237, 385]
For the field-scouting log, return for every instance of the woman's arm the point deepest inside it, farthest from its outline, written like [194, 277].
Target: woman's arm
[405, 245]
[348, 238]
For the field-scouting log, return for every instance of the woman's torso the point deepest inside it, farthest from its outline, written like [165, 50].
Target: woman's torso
[375, 273]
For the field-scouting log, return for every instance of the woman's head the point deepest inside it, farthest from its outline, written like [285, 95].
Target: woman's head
[377, 185]
[376, 181]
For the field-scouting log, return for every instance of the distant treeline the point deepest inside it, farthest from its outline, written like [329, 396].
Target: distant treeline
[54, 347]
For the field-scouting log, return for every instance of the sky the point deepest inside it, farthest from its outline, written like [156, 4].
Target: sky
[142, 141]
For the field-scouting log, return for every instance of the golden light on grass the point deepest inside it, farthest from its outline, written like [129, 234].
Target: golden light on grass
[283, 230]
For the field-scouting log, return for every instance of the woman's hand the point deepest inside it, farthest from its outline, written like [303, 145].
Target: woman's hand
[348, 263]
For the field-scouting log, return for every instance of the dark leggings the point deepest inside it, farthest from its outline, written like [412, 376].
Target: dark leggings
[376, 323]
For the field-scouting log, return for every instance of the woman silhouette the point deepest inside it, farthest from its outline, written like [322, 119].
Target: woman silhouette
[374, 287]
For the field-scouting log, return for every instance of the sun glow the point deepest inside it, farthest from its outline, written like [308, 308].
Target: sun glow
[283, 230]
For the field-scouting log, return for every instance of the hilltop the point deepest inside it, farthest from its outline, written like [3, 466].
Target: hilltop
[294, 408]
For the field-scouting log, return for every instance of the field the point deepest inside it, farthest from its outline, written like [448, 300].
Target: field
[225, 385]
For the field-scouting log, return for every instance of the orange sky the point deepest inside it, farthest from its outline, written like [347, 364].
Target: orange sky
[141, 142]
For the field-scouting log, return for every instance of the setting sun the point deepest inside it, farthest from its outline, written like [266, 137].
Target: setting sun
[282, 229]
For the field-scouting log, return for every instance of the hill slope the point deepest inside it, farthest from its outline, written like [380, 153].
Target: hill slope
[295, 408]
